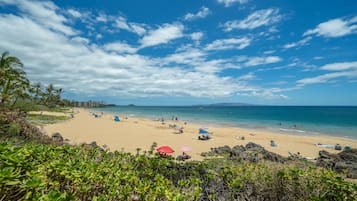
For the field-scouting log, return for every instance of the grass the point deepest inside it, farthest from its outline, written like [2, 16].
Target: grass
[45, 119]
[59, 109]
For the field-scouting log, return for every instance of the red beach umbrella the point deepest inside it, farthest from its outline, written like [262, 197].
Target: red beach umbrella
[165, 149]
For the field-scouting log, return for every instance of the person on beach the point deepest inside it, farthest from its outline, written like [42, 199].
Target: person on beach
[181, 130]
[185, 156]
[273, 144]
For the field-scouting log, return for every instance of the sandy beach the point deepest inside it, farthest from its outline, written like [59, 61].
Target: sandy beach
[132, 133]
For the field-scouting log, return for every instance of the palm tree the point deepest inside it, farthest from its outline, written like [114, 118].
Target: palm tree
[36, 91]
[58, 93]
[49, 95]
[20, 92]
[12, 78]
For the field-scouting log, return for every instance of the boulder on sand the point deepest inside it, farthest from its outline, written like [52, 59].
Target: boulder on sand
[57, 137]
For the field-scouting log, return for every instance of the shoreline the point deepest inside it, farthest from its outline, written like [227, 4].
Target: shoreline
[275, 128]
[132, 133]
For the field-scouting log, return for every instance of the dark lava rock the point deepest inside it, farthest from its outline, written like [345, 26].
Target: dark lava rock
[221, 150]
[236, 150]
[349, 155]
[343, 161]
[251, 152]
[252, 145]
[57, 137]
[270, 156]
[93, 144]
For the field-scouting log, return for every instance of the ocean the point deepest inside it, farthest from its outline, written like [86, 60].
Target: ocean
[299, 120]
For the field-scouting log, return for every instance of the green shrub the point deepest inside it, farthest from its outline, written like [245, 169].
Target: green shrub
[48, 172]
[25, 106]
[14, 129]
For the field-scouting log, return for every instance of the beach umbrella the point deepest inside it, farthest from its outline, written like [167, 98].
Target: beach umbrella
[203, 131]
[165, 149]
[186, 148]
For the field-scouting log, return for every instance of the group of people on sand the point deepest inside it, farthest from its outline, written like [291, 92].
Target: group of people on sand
[96, 115]
[184, 156]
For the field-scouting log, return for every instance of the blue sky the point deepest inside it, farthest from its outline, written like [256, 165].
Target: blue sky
[188, 52]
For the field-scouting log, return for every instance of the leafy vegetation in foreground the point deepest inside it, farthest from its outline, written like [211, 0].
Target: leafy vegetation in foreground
[47, 119]
[48, 172]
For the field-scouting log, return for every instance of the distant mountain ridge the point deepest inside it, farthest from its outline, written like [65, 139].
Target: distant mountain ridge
[226, 104]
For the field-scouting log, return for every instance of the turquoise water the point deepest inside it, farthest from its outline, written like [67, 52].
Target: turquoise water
[300, 120]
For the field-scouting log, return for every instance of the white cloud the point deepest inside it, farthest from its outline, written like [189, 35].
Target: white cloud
[122, 24]
[188, 56]
[196, 36]
[340, 66]
[80, 40]
[115, 69]
[249, 76]
[254, 61]
[136, 28]
[163, 34]
[231, 43]
[346, 69]
[98, 36]
[335, 28]
[228, 3]
[102, 17]
[119, 47]
[44, 13]
[269, 52]
[326, 77]
[74, 13]
[258, 18]
[299, 43]
[264, 93]
[202, 13]
[318, 57]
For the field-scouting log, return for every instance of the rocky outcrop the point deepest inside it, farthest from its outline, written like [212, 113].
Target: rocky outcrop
[57, 137]
[345, 161]
[251, 152]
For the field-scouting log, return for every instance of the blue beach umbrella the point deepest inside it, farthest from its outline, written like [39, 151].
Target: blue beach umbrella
[116, 118]
[203, 131]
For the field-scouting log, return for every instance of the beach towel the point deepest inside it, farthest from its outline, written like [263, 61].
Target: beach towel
[330, 146]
